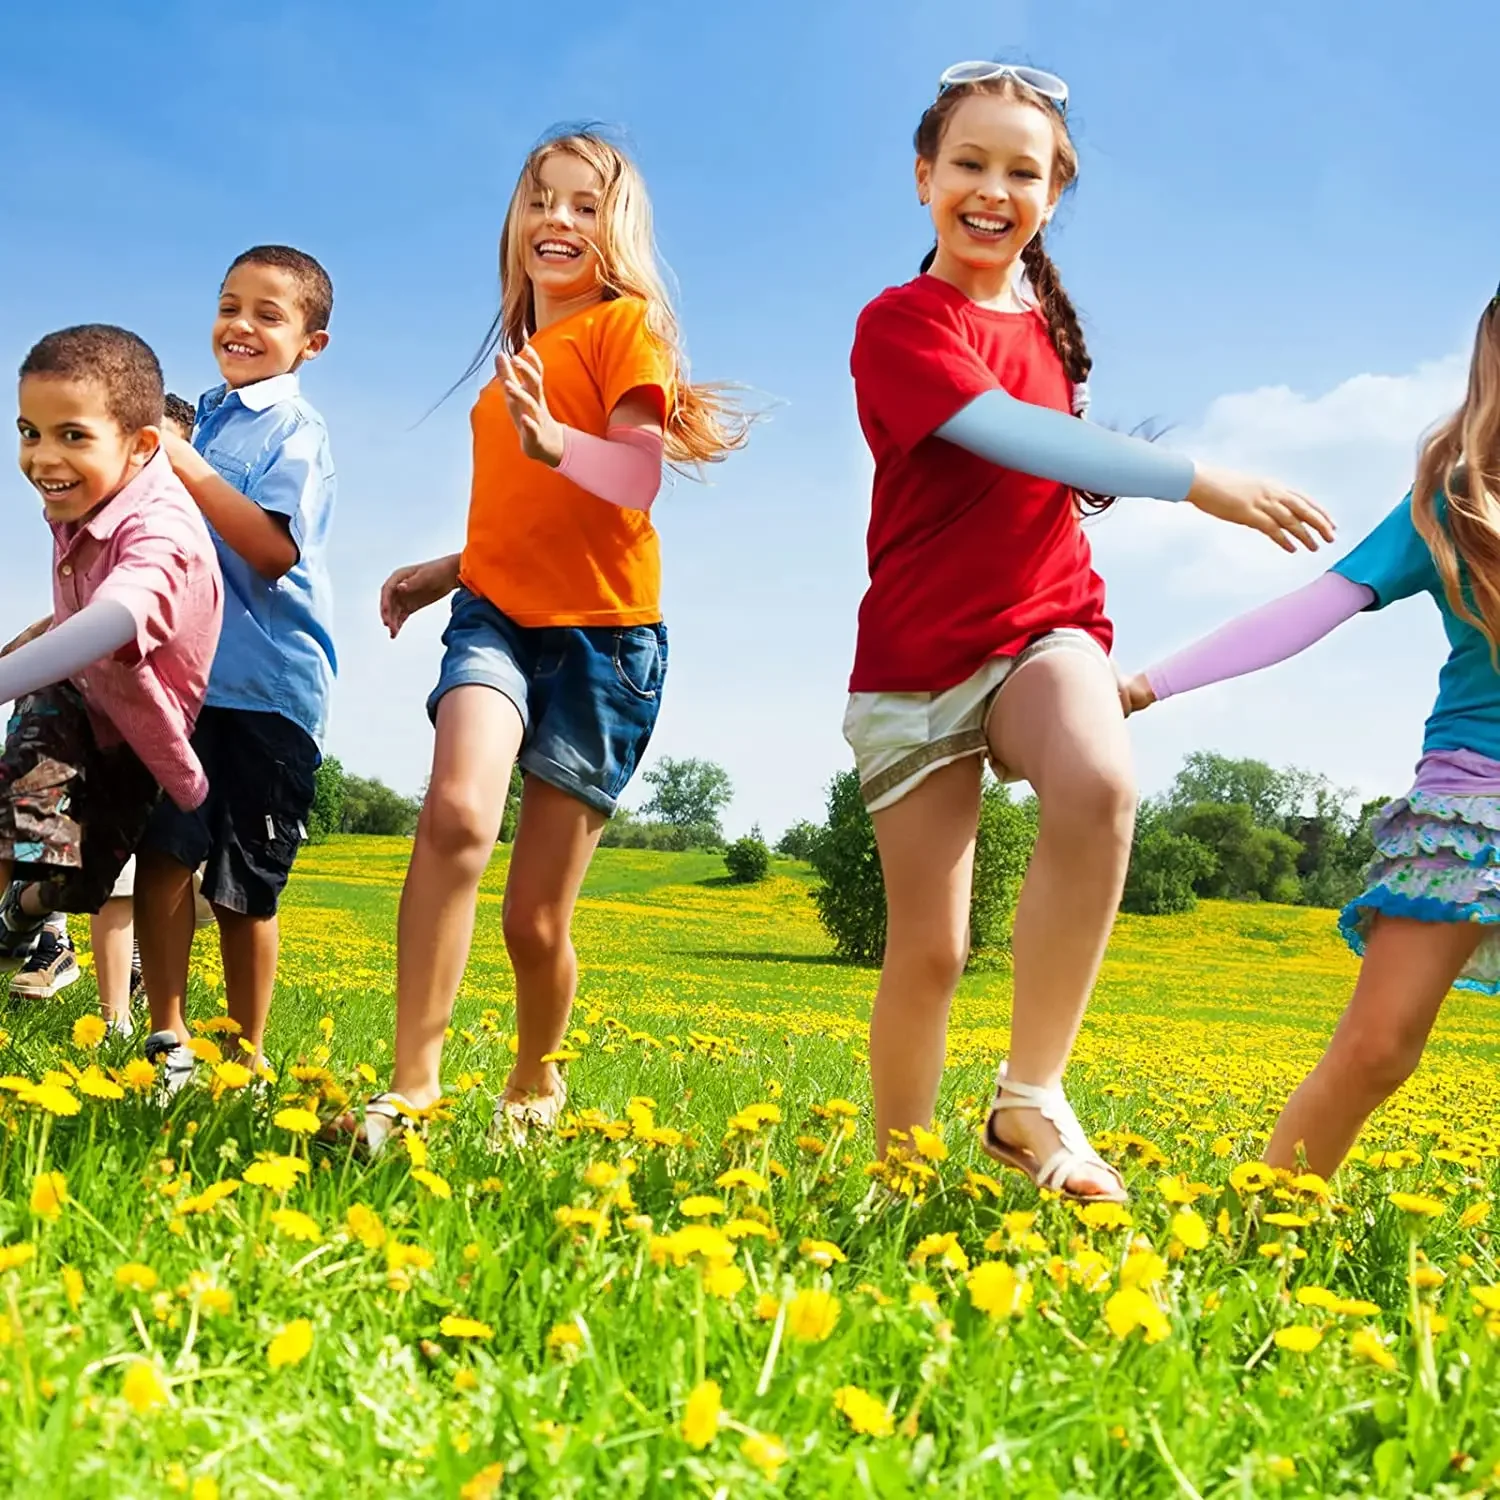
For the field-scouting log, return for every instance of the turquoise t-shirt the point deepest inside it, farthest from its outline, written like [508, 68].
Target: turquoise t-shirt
[1394, 561]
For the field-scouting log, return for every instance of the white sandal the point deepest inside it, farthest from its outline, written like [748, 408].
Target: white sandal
[514, 1120]
[1074, 1154]
[386, 1115]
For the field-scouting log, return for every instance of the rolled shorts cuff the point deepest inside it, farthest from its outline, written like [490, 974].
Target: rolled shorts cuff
[510, 685]
[545, 769]
[900, 739]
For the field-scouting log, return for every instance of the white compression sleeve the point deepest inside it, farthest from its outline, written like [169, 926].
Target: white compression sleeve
[96, 631]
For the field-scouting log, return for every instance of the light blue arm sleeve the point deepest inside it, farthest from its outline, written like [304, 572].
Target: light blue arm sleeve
[1037, 440]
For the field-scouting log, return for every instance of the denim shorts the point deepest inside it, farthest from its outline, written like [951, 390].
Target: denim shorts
[588, 696]
[262, 771]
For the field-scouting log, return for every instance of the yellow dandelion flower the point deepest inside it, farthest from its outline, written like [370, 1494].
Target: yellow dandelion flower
[944, 1248]
[722, 1280]
[767, 1306]
[919, 1294]
[88, 1032]
[1474, 1214]
[72, 1285]
[1366, 1344]
[812, 1315]
[563, 1337]
[929, 1144]
[138, 1076]
[700, 1418]
[205, 1051]
[1189, 1230]
[142, 1387]
[484, 1485]
[821, 1252]
[741, 1177]
[298, 1121]
[455, 1327]
[1317, 1296]
[700, 1206]
[1425, 1278]
[292, 1345]
[994, 1288]
[12, 1257]
[1131, 1308]
[863, 1412]
[1299, 1338]
[205, 1487]
[278, 1173]
[49, 1192]
[766, 1453]
[364, 1224]
[1417, 1204]
[1142, 1268]
[1252, 1177]
[1287, 1220]
[97, 1085]
[437, 1186]
[739, 1229]
[297, 1226]
[52, 1098]
[232, 1075]
[1104, 1216]
[135, 1277]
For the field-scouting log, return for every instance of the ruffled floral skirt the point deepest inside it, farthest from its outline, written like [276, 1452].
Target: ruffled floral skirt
[1437, 859]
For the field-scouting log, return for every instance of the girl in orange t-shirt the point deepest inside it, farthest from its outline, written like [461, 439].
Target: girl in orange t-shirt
[555, 651]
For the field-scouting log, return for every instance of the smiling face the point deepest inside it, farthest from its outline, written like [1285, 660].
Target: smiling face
[73, 450]
[260, 330]
[989, 185]
[557, 230]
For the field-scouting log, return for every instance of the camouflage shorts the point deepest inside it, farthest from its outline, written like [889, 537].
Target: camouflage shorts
[71, 812]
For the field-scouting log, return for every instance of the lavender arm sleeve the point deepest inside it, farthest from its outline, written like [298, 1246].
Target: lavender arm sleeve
[96, 631]
[1262, 637]
[1037, 440]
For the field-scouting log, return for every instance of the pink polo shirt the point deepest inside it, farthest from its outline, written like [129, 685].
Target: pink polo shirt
[150, 550]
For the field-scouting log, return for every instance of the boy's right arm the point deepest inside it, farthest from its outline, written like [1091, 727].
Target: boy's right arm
[412, 588]
[262, 537]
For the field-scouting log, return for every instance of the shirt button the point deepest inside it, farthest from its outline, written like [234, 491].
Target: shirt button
[66, 570]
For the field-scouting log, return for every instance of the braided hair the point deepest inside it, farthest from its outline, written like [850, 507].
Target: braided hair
[1056, 307]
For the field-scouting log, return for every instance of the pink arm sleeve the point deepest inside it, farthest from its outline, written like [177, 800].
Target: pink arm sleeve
[623, 468]
[1263, 637]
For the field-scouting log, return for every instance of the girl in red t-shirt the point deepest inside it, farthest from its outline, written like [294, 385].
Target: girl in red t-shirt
[979, 574]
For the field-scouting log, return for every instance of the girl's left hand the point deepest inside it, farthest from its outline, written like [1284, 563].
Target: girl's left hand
[521, 380]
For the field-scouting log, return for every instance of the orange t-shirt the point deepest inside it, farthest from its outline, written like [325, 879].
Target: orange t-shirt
[540, 548]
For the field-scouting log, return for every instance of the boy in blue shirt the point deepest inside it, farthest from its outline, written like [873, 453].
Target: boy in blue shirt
[259, 469]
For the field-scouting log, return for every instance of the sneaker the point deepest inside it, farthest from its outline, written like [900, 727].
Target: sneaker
[18, 932]
[163, 1050]
[121, 1026]
[52, 966]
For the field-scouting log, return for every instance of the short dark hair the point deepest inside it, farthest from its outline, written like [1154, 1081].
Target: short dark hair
[120, 362]
[314, 285]
[175, 409]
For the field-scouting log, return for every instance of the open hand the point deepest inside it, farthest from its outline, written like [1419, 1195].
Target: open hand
[1135, 694]
[187, 462]
[522, 381]
[415, 587]
[1261, 504]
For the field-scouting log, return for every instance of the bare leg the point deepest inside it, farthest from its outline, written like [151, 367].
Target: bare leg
[1058, 723]
[249, 947]
[478, 738]
[111, 936]
[164, 930]
[1408, 970]
[926, 843]
[555, 840]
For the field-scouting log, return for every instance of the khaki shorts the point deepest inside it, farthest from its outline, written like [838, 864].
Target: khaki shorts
[203, 915]
[900, 739]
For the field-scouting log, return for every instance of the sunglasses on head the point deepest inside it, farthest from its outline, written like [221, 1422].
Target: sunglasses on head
[1048, 85]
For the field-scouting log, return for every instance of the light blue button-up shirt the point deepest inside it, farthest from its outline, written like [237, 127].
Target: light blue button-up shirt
[276, 651]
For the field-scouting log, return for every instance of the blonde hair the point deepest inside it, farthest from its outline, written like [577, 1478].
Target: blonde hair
[702, 422]
[1461, 461]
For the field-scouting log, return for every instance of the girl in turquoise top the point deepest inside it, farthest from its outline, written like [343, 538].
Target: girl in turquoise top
[1429, 916]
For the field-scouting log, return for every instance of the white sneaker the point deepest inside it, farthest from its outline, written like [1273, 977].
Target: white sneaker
[173, 1058]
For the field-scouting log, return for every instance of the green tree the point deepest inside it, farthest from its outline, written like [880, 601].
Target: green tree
[748, 860]
[511, 818]
[370, 806]
[797, 841]
[1166, 868]
[688, 793]
[327, 813]
[1250, 861]
[851, 896]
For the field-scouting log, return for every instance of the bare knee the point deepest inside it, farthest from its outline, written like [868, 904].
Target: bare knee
[1379, 1059]
[455, 825]
[927, 965]
[1096, 808]
[535, 932]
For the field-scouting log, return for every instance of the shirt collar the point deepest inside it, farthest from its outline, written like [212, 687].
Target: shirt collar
[256, 397]
[108, 518]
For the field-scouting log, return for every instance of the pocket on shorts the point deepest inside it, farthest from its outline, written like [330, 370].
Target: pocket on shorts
[640, 662]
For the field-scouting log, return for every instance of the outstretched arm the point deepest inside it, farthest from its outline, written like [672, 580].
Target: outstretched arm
[1037, 440]
[96, 631]
[1261, 638]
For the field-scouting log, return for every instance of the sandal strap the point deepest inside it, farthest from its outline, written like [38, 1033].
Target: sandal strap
[1076, 1150]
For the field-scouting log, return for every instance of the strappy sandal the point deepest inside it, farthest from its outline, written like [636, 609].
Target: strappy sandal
[1073, 1155]
[514, 1120]
[386, 1115]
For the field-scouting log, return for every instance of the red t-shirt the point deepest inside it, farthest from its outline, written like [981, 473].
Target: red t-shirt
[967, 560]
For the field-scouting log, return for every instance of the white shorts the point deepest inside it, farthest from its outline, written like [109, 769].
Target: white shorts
[900, 739]
[203, 915]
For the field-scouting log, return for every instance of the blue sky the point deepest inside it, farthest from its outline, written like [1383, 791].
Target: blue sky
[1280, 241]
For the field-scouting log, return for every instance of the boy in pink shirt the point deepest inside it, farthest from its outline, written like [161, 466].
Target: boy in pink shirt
[107, 690]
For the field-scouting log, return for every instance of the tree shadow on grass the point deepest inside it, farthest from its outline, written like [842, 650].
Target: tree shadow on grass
[729, 956]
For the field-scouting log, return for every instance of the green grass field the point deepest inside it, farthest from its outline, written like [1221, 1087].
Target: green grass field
[697, 1288]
